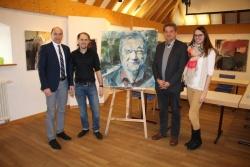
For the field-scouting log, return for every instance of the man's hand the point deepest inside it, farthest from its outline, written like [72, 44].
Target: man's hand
[160, 82]
[47, 92]
[163, 84]
[71, 91]
[100, 91]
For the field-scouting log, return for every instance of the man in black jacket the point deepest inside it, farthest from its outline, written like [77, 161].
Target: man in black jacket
[170, 60]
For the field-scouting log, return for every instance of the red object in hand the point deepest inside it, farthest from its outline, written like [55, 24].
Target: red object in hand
[192, 63]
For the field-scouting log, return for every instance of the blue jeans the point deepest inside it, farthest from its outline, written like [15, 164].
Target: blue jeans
[55, 110]
[89, 91]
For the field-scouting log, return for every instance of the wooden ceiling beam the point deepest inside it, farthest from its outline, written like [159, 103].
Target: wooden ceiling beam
[167, 10]
[82, 1]
[123, 5]
[98, 3]
[162, 10]
[145, 8]
[134, 6]
[111, 4]
[168, 17]
[154, 9]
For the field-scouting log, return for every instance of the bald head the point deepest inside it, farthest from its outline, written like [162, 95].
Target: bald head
[57, 35]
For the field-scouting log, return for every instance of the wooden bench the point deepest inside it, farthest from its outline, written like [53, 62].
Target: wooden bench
[234, 82]
[245, 101]
[245, 104]
[217, 98]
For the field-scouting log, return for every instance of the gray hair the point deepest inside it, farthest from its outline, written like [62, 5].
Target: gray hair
[133, 35]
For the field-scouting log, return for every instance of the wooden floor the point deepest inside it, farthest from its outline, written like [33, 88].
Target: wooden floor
[23, 143]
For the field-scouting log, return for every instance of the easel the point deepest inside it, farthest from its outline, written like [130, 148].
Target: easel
[128, 106]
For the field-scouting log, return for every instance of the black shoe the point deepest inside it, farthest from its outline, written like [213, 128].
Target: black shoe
[54, 144]
[98, 135]
[158, 136]
[63, 136]
[82, 133]
[188, 142]
[196, 142]
[192, 138]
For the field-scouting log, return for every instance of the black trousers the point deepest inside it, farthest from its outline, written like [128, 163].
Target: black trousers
[164, 99]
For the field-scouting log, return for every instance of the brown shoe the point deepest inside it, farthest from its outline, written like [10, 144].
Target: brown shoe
[157, 136]
[173, 141]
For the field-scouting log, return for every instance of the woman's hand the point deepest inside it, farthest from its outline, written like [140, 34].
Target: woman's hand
[203, 96]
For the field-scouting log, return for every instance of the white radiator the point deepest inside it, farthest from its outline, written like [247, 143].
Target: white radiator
[4, 109]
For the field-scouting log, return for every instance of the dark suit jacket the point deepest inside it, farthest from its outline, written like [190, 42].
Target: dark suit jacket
[176, 62]
[49, 67]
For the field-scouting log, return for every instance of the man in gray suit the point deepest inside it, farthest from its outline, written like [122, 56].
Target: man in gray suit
[170, 59]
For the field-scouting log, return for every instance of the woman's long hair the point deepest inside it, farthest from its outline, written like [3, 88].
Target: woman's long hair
[207, 45]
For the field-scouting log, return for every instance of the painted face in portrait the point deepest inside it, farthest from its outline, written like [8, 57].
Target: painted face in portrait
[133, 54]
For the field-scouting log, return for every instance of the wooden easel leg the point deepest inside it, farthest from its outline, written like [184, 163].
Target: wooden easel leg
[110, 112]
[144, 115]
[128, 103]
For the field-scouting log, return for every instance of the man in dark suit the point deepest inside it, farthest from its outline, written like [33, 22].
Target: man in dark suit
[170, 60]
[55, 73]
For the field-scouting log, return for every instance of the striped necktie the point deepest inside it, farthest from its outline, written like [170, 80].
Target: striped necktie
[62, 69]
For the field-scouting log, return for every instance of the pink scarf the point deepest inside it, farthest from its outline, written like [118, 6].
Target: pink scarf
[194, 52]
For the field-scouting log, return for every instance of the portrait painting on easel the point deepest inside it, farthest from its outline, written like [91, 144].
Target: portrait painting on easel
[232, 55]
[127, 58]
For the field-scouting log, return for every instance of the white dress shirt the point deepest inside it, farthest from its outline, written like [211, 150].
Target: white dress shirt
[58, 56]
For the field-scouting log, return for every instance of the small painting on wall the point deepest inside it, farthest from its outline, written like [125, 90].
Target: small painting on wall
[232, 55]
[33, 41]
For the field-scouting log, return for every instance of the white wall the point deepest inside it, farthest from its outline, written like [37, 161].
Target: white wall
[213, 37]
[5, 44]
[24, 95]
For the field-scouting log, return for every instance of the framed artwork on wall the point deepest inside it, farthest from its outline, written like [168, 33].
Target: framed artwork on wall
[33, 41]
[232, 54]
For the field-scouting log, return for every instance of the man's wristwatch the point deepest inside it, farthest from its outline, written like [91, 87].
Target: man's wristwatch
[100, 85]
